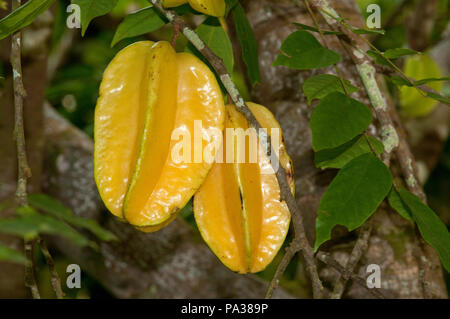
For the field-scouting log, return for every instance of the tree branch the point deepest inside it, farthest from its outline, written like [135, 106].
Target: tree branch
[286, 195]
[290, 253]
[358, 251]
[56, 281]
[327, 259]
[24, 171]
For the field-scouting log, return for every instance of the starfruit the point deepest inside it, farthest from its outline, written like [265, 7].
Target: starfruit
[148, 92]
[215, 8]
[412, 102]
[238, 208]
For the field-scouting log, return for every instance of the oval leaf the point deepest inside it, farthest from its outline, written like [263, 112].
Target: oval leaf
[302, 51]
[319, 86]
[11, 255]
[23, 16]
[215, 37]
[337, 119]
[398, 53]
[396, 202]
[58, 210]
[138, 23]
[353, 196]
[248, 43]
[230, 5]
[30, 223]
[432, 229]
[339, 157]
[91, 9]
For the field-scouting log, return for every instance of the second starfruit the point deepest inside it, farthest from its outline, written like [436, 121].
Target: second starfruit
[148, 92]
[238, 208]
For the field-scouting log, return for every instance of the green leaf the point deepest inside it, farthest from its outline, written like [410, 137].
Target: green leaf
[310, 28]
[400, 81]
[399, 52]
[140, 22]
[230, 5]
[367, 31]
[353, 196]
[11, 255]
[378, 58]
[382, 57]
[30, 224]
[23, 16]
[433, 230]
[429, 80]
[215, 37]
[438, 97]
[398, 205]
[319, 86]
[336, 120]
[91, 9]
[184, 9]
[339, 157]
[328, 32]
[58, 210]
[302, 51]
[248, 43]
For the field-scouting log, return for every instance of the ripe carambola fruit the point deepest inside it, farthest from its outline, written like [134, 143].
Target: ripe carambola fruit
[147, 92]
[215, 8]
[412, 102]
[238, 209]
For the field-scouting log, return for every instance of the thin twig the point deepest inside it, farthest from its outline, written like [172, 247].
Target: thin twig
[286, 195]
[327, 259]
[30, 279]
[56, 281]
[358, 251]
[406, 160]
[176, 33]
[24, 171]
[423, 88]
[290, 253]
[19, 95]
